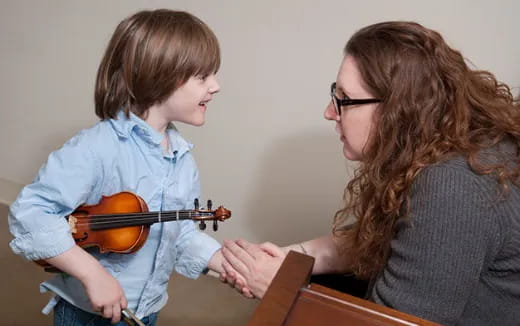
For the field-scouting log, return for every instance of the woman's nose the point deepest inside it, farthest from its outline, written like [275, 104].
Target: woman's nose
[330, 112]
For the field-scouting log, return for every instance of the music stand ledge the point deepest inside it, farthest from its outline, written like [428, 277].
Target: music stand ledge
[290, 300]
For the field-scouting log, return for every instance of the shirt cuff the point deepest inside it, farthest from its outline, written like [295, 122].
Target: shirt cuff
[194, 259]
[43, 244]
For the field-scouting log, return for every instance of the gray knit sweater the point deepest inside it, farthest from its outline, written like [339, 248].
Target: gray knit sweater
[456, 260]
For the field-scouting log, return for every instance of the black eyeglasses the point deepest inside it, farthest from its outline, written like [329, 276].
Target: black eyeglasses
[338, 103]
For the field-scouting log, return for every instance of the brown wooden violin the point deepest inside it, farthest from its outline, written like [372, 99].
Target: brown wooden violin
[121, 223]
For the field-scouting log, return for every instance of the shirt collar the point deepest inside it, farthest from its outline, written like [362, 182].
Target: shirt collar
[178, 143]
[124, 126]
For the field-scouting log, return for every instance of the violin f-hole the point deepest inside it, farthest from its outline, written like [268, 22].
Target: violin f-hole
[85, 237]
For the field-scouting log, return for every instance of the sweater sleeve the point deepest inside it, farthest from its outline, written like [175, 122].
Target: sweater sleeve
[438, 253]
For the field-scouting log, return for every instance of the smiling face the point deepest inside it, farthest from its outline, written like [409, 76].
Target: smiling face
[355, 121]
[188, 103]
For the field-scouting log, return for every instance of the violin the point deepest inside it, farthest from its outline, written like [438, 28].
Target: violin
[121, 223]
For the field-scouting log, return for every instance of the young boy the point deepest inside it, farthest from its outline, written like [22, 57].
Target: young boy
[159, 67]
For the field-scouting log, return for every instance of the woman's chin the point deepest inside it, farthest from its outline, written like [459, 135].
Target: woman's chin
[349, 154]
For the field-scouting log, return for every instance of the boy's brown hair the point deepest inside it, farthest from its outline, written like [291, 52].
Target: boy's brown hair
[149, 56]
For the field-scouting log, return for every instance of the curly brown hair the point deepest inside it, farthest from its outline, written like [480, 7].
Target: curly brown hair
[434, 108]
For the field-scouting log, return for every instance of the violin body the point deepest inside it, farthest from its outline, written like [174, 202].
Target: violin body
[123, 240]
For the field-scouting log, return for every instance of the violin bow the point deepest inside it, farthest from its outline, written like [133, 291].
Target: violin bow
[130, 318]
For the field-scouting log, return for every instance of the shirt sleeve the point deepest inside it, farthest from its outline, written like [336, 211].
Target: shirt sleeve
[36, 218]
[437, 255]
[194, 247]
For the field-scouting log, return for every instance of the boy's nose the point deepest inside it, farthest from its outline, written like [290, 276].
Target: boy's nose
[214, 85]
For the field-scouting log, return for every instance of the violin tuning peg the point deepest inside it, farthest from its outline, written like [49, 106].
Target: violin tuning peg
[210, 203]
[202, 225]
[196, 204]
[215, 225]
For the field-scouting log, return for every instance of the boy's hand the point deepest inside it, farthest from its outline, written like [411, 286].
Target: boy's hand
[105, 295]
[103, 290]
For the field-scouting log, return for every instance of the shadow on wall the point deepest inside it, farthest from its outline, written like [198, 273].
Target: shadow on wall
[298, 189]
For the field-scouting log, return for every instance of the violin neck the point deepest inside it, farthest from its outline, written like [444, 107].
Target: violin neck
[110, 221]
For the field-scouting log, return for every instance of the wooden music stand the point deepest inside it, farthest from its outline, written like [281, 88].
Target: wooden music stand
[291, 301]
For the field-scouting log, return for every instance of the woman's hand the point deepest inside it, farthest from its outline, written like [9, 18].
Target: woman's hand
[250, 268]
[257, 264]
[234, 280]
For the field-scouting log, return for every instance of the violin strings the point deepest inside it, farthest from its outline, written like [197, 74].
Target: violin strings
[144, 214]
[98, 220]
[103, 220]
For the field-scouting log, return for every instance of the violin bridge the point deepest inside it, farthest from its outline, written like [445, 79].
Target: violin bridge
[72, 224]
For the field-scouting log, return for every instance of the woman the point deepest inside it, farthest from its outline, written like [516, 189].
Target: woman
[436, 196]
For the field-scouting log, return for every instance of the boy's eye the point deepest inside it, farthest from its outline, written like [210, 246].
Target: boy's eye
[202, 77]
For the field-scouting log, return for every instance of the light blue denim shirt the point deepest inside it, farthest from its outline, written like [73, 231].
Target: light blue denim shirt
[113, 156]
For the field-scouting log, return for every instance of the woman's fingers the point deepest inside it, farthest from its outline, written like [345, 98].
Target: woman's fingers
[240, 282]
[222, 276]
[237, 258]
[252, 249]
[230, 273]
[253, 266]
[237, 281]
[247, 293]
[272, 249]
[239, 252]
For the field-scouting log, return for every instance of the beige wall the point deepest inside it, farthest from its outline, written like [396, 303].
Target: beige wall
[265, 152]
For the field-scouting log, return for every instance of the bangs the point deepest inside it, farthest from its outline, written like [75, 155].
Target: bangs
[204, 54]
[192, 49]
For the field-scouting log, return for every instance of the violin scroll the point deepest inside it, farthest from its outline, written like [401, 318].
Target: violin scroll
[203, 215]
